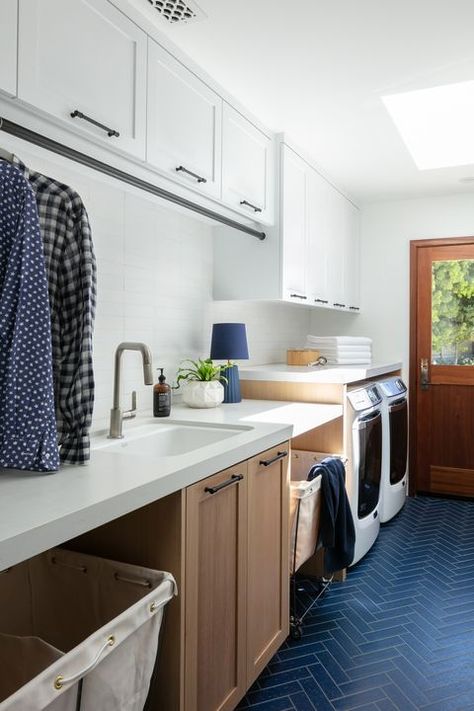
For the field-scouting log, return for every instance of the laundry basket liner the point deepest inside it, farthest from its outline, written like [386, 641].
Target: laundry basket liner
[105, 615]
[305, 507]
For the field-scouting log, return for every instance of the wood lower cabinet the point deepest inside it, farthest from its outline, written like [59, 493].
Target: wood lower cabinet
[267, 560]
[216, 545]
[237, 578]
[225, 539]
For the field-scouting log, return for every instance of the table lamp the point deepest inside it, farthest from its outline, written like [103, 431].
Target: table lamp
[229, 342]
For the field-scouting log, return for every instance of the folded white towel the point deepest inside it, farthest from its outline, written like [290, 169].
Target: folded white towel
[340, 340]
[331, 348]
[346, 356]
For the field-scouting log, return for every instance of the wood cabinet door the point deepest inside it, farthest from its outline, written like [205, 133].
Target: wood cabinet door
[247, 166]
[216, 546]
[268, 558]
[8, 46]
[75, 56]
[293, 225]
[184, 129]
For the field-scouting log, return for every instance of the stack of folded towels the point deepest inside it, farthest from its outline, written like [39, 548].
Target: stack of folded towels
[342, 350]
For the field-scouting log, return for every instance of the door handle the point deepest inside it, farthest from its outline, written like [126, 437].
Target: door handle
[424, 374]
[267, 462]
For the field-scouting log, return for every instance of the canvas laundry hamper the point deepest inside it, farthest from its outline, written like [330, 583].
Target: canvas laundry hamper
[305, 506]
[79, 632]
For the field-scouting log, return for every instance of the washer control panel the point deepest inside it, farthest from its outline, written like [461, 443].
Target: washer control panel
[364, 398]
[392, 387]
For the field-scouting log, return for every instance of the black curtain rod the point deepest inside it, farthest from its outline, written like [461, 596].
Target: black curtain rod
[32, 137]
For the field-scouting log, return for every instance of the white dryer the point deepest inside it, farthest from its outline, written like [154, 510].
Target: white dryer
[393, 486]
[364, 451]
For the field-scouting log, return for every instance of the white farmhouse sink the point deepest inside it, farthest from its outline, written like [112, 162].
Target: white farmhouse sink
[170, 439]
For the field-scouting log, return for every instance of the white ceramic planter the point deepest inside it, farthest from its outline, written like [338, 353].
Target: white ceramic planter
[203, 393]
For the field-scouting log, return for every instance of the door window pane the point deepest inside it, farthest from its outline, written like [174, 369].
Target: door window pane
[452, 312]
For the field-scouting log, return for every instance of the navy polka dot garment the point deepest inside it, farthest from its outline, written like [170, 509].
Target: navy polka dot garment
[28, 438]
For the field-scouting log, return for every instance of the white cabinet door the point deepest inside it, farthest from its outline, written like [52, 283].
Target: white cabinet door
[336, 216]
[247, 166]
[352, 258]
[184, 127]
[87, 57]
[293, 226]
[317, 264]
[8, 46]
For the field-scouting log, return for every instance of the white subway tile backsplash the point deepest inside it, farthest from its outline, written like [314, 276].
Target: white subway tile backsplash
[155, 285]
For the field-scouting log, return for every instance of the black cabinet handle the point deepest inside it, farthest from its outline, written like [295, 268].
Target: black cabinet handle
[267, 462]
[321, 301]
[341, 305]
[199, 178]
[110, 131]
[249, 204]
[233, 480]
[354, 308]
[298, 296]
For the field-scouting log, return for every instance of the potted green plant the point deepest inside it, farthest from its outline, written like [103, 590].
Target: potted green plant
[202, 382]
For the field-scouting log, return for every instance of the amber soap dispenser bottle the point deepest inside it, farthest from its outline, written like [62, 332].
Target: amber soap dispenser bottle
[161, 397]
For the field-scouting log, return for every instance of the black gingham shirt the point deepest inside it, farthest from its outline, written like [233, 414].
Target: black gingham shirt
[71, 272]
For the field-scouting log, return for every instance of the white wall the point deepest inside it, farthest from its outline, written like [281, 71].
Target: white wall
[387, 229]
[155, 283]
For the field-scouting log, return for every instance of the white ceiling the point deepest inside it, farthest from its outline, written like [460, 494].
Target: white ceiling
[317, 69]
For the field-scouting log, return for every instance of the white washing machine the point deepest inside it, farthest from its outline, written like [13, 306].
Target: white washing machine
[364, 451]
[393, 485]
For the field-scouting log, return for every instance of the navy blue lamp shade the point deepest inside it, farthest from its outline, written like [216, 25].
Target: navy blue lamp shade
[229, 342]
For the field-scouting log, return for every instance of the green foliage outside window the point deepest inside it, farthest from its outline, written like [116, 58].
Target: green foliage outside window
[453, 312]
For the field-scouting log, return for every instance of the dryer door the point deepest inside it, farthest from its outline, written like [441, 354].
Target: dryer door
[398, 419]
[369, 431]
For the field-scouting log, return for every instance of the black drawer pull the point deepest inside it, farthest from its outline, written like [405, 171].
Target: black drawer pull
[199, 178]
[249, 204]
[267, 462]
[110, 131]
[341, 305]
[298, 296]
[321, 301]
[233, 480]
[354, 308]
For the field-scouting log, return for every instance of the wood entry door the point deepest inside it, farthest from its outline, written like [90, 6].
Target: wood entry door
[442, 366]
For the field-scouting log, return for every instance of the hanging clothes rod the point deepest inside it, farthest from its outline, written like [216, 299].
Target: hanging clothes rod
[26, 134]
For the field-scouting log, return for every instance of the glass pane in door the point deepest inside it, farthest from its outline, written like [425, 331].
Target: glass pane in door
[452, 312]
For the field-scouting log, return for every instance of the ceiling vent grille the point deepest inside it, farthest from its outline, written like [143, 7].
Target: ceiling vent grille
[178, 10]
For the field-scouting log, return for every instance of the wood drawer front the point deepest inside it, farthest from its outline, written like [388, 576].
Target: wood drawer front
[216, 544]
[268, 576]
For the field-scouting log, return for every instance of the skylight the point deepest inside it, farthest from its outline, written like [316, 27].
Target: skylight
[437, 125]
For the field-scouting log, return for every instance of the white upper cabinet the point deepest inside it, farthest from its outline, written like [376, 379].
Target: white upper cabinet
[352, 258]
[85, 63]
[318, 194]
[336, 216]
[293, 226]
[247, 167]
[8, 46]
[184, 128]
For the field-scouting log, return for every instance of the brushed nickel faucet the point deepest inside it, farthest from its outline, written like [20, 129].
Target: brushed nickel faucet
[117, 415]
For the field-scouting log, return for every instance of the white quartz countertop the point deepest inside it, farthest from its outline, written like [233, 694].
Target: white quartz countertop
[40, 511]
[333, 374]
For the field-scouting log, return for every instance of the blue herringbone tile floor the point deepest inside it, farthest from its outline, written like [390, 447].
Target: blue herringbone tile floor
[398, 634]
